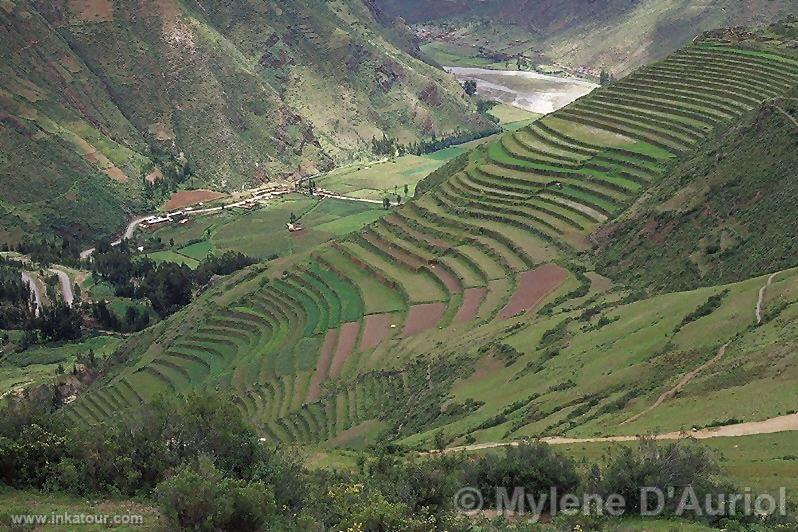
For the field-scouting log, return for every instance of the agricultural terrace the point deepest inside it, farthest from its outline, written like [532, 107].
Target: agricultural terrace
[314, 350]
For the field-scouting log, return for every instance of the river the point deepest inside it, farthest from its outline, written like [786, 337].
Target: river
[532, 91]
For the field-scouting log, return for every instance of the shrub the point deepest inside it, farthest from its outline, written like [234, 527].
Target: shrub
[536, 467]
[200, 498]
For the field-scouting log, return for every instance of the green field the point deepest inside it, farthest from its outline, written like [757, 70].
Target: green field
[262, 232]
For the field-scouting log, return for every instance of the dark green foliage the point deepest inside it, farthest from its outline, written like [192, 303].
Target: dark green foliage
[59, 322]
[555, 334]
[201, 498]
[656, 465]
[229, 262]
[707, 307]
[15, 296]
[470, 87]
[168, 287]
[534, 467]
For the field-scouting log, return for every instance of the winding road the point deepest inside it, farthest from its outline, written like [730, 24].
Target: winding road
[66, 286]
[37, 293]
[129, 230]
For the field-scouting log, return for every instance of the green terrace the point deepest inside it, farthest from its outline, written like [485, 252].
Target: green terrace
[322, 344]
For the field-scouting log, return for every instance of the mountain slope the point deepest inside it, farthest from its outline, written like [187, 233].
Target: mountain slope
[96, 94]
[720, 215]
[477, 308]
[619, 35]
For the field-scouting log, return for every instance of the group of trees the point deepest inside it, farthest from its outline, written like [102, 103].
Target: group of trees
[174, 171]
[46, 251]
[605, 78]
[391, 146]
[168, 286]
[207, 469]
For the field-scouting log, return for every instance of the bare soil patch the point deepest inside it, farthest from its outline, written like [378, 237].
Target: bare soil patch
[347, 337]
[186, 198]
[116, 174]
[154, 176]
[322, 365]
[472, 299]
[377, 328]
[533, 286]
[423, 317]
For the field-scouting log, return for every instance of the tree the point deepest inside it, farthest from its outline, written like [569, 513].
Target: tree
[292, 218]
[606, 77]
[386, 203]
[169, 287]
[407, 189]
[470, 87]
[440, 440]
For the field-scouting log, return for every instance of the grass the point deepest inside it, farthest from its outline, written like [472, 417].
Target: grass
[16, 502]
[172, 256]
[38, 364]
[509, 115]
[262, 232]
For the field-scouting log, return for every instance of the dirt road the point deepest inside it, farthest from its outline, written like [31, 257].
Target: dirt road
[66, 286]
[129, 230]
[37, 294]
[777, 424]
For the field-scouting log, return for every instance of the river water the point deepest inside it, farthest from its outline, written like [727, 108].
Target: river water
[533, 91]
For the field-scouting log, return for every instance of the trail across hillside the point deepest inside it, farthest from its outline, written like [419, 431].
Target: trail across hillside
[761, 297]
[684, 381]
[777, 424]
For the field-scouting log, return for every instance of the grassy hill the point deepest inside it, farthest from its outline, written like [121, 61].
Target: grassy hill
[480, 309]
[618, 35]
[96, 96]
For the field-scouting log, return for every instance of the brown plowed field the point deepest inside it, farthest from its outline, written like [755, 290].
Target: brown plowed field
[472, 299]
[186, 198]
[423, 317]
[322, 365]
[533, 286]
[376, 329]
[347, 337]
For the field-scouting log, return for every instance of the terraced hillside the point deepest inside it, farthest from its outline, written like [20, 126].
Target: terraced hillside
[97, 95]
[372, 333]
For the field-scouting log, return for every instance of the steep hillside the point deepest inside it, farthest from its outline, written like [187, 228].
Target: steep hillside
[719, 216]
[619, 35]
[476, 308]
[96, 95]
